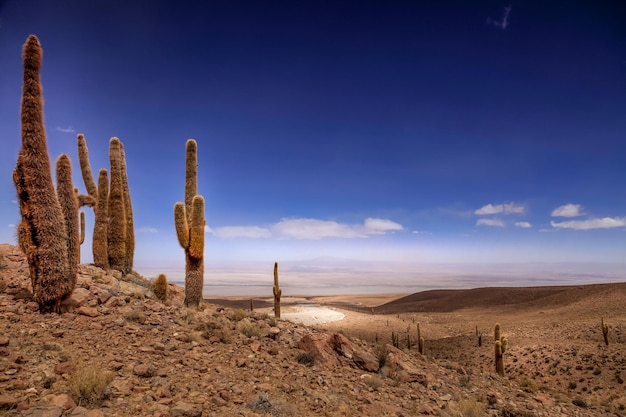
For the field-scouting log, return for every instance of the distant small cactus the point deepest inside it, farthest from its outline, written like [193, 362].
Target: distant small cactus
[278, 292]
[160, 288]
[605, 331]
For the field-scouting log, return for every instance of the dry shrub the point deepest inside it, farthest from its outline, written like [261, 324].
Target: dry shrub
[529, 385]
[89, 383]
[381, 352]
[264, 406]
[472, 408]
[251, 329]
[238, 314]
[374, 382]
[306, 358]
[210, 329]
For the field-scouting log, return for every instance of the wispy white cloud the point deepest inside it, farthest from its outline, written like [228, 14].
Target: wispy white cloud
[377, 226]
[250, 232]
[503, 23]
[603, 223]
[14, 201]
[490, 222]
[12, 225]
[65, 129]
[316, 229]
[307, 228]
[568, 210]
[523, 225]
[506, 208]
[148, 230]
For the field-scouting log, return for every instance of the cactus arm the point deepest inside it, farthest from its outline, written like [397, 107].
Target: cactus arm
[85, 167]
[82, 228]
[196, 231]
[180, 221]
[101, 223]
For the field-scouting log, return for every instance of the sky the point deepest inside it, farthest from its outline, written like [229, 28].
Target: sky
[408, 132]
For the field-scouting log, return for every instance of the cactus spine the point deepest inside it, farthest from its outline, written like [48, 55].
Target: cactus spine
[605, 331]
[43, 235]
[278, 292]
[189, 221]
[114, 236]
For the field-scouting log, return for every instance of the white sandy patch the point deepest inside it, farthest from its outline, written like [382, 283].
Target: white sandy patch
[312, 315]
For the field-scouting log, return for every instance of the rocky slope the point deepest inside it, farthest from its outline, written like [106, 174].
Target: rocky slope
[118, 351]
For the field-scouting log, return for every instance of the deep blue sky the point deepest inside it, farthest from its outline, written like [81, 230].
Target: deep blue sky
[430, 131]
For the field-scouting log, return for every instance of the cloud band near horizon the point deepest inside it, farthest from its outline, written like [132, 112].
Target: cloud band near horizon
[307, 228]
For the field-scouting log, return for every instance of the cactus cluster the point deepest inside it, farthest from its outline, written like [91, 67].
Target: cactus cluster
[48, 232]
[278, 292]
[113, 235]
[189, 221]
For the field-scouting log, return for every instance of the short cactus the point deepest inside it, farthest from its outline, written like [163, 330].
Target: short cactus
[501, 345]
[160, 287]
[278, 292]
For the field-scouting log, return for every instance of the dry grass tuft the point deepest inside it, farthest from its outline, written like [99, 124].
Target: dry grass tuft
[472, 408]
[251, 329]
[89, 383]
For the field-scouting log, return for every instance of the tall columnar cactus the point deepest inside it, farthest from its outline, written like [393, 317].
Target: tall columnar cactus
[43, 230]
[278, 292]
[189, 221]
[128, 214]
[117, 223]
[496, 332]
[114, 237]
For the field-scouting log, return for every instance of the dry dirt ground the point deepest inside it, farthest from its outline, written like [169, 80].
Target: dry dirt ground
[118, 351]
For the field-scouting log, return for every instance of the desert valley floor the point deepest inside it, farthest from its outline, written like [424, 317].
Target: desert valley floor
[118, 351]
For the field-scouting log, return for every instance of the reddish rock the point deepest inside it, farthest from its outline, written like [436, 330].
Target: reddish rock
[342, 345]
[319, 346]
[62, 400]
[144, 370]
[365, 360]
[87, 311]
[63, 368]
[79, 297]
[7, 402]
